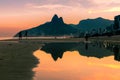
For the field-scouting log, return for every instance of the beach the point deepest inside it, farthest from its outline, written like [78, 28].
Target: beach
[17, 60]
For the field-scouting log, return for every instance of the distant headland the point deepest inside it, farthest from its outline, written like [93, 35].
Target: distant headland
[57, 27]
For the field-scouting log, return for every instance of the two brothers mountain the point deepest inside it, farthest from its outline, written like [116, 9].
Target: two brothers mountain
[57, 27]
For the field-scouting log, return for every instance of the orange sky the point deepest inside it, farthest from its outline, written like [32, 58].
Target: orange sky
[20, 15]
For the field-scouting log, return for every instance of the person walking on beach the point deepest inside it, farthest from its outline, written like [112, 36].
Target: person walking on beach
[26, 34]
[86, 36]
[20, 35]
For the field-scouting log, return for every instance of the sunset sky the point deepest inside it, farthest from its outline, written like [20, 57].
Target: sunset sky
[18, 15]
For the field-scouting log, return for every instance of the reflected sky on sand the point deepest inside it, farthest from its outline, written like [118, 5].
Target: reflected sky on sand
[72, 61]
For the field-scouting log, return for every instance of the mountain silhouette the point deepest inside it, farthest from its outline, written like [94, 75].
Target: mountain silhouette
[57, 49]
[56, 27]
[93, 24]
[90, 50]
[57, 20]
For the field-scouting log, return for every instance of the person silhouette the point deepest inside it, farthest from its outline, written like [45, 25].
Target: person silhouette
[116, 53]
[86, 36]
[20, 35]
[26, 34]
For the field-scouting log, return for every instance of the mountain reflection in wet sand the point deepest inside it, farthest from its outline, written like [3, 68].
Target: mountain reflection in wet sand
[73, 66]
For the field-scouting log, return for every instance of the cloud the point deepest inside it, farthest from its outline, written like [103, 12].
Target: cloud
[72, 3]
[79, 6]
[114, 9]
[86, 3]
[114, 4]
[49, 6]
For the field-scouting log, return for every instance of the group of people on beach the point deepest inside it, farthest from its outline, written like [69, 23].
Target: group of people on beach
[20, 35]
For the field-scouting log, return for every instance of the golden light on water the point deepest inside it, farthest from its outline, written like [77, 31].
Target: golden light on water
[73, 66]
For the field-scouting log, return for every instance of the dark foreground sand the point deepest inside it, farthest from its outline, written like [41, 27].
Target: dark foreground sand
[17, 60]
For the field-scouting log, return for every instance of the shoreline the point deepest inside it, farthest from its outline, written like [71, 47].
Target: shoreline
[17, 61]
[43, 40]
[113, 39]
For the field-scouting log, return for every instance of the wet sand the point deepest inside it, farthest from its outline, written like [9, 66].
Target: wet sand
[16, 57]
[44, 40]
[112, 39]
[49, 40]
[17, 60]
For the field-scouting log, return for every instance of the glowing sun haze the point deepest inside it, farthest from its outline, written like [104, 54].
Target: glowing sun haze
[17, 15]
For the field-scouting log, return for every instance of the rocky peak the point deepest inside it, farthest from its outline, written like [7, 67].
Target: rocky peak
[61, 20]
[57, 20]
[99, 18]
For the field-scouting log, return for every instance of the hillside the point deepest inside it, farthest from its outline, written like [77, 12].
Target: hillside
[56, 27]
